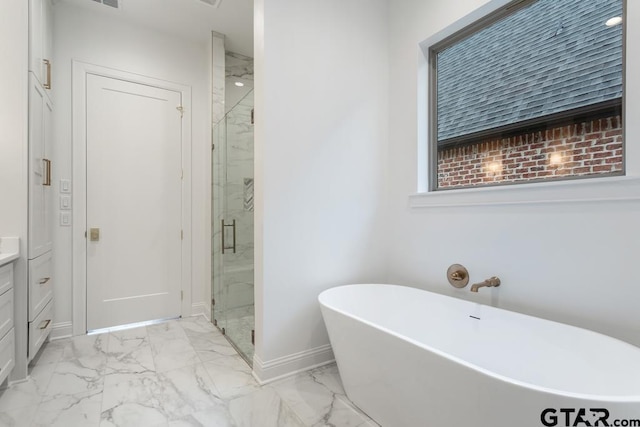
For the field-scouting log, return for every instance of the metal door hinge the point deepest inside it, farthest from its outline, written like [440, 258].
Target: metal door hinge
[253, 336]
[181, 173]
[181, 109]
[213, 147]
[213, 301]
[181, 235]
[181, 295]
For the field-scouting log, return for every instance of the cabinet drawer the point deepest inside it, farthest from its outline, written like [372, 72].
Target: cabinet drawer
[40, 284]
[7, 355]
[39, 329]
[6, 278]
[6, 312]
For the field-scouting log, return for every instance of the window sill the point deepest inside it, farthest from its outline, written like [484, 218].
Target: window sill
[612, 189]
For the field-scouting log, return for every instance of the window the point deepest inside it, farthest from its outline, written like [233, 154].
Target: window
[533, 92]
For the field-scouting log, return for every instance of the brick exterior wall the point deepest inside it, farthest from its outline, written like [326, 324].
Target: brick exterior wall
[589, 148]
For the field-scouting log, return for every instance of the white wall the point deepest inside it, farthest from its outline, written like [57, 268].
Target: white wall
[320, 135]
[13, 157]
[102, 40]
[572, 262]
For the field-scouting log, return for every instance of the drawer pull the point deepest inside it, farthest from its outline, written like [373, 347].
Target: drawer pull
[47, 64]
[46, 323]
[44, 280]
[47, 177]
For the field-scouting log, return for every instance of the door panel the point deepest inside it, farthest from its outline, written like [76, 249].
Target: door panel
[134, 193]
[40, 111]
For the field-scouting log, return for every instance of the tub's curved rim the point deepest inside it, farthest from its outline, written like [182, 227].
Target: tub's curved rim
[519, 383]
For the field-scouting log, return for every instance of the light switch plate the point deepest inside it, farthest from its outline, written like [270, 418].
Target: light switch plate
[65, 202]
[65, 219]
[65, 186]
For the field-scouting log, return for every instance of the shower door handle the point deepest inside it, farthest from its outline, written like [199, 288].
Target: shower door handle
[223, 232]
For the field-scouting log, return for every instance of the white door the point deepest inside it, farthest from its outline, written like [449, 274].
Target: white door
[134, 202]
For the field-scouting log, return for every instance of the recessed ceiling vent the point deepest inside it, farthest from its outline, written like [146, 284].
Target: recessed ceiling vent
[112, 3]
[214, 3]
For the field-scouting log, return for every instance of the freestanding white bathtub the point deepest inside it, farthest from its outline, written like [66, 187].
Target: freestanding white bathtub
[409, 357]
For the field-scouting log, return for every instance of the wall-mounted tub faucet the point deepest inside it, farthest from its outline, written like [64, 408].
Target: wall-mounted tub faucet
[491, 282]
[458, 276]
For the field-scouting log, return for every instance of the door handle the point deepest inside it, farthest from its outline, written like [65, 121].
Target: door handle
[233, 246]
[44, 280]
[94, 234]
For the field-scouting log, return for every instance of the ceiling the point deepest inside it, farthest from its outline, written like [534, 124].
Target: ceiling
[190, 19]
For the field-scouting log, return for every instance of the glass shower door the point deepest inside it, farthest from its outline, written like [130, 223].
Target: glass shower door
[233, 311]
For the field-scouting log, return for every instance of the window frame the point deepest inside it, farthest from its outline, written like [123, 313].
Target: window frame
[478, 20]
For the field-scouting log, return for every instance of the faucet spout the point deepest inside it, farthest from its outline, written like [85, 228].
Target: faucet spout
[491, 282]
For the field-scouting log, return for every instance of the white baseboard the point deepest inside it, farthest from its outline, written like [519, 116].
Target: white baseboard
[201, 309]
[61, 330]
[272, 370]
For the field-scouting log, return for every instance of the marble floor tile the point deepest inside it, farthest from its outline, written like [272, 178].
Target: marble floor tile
[18, 416]
[196, 325]
[217, 416]
[127, 339]
[86, 346]
[317, 397]
[239, 330]
[129, 351]
[170, 345]
[133, 400]
[166, 331]
[74, 377]
[50, 352]
[167, 361]
[130, 361]
[70, 410]
[188, 390]
[263, 408]
[211, 346]
[231, 376]
[177, 373]
[29, 392]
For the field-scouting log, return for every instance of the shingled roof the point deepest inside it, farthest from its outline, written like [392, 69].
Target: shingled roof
[549, 57]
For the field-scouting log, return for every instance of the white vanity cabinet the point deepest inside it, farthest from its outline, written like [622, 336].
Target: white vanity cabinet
[40, 291]
[41, 206]
[40, 41]
[40, 296]
[7, 334]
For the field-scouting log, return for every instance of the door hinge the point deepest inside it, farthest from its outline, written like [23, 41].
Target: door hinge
[213, 147]
[181, 173]
[181, 235]
[213, 302]
[181, 109]
[181, 295]
[253, 336]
